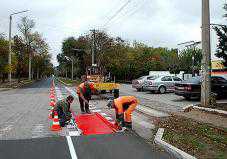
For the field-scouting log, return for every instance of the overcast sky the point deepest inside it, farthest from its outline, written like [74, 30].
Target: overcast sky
[157, 23]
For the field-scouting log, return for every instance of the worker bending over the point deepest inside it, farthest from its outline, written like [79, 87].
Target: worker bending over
[124, 106]
[84, 92]
[63, 109]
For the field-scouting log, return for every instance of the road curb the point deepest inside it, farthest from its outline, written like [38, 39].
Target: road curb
[151, 112]
[177, 153]
[217, 111]
[15, 87]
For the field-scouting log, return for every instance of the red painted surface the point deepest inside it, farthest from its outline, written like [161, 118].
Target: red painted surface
[94, 124]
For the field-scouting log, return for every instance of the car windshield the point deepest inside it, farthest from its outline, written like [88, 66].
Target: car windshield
[152, 77]
[141, 78]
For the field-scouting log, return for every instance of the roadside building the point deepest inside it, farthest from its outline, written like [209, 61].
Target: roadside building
[218, 69]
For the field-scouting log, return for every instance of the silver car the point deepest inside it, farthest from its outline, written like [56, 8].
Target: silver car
[161, 84]
[138, 84]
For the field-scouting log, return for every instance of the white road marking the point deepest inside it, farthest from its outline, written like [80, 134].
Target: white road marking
[92, 108]
[97, 110]
[71, 91]
[38, 131]
[108, 118]
[103, 114]
[74, 133]
[6, 129]
[71, 148]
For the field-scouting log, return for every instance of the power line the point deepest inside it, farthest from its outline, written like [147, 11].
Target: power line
[131, 13]
[117, 12]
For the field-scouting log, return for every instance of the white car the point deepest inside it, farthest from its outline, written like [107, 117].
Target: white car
[138, 84]
[161, 84]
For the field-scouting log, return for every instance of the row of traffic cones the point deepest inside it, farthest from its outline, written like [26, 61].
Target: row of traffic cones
[55, 125]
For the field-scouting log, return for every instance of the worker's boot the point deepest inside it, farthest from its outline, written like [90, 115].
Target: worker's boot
[87, 109]
[128, 125]
[120, 119]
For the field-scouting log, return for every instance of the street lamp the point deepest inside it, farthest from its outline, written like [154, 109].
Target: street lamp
[70, 59]
[10, 47]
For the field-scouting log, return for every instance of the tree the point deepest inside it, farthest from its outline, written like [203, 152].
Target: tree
[222, 43]
[3, 58]
[19, 48]
[25, 27]
[185, 60]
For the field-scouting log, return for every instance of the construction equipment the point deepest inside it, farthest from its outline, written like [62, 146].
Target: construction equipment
[103, 84]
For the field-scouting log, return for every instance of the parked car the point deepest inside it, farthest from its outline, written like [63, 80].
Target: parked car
[192, 87]
[138, 84]
[161, 84]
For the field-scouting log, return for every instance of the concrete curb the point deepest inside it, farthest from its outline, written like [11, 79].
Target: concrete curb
[177, 153]
[15, 87]
[189, 107]
[151, 112]
[5, 89]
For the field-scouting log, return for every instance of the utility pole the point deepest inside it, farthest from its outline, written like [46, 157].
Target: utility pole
[72, 68]
[206, 60]
[10, 47]
[93, 48]
[29, 64]
[70, 59]
[9, 59]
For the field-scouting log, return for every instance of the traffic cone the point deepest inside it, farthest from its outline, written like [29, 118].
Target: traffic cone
[52, 103]
[52, 96]
[50, 114]
[55, 126]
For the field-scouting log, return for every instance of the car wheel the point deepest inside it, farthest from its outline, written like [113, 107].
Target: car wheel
[138, 89]
[142, 90]
[187, 97]
[162, 89]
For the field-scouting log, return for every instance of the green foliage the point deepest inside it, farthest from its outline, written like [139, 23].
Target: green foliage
[123, 60]
[185, 60]
[222, 43]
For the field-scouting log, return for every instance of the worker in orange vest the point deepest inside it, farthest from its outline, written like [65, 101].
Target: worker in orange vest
[124, 106]
[84, 91]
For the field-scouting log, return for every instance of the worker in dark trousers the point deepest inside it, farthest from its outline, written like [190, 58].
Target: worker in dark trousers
[124, 106]
[63, 109]
[84, 92]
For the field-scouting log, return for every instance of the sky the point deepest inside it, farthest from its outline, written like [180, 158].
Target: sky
[157, 23]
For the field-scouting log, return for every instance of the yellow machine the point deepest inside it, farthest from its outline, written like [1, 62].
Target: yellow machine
[96, 74]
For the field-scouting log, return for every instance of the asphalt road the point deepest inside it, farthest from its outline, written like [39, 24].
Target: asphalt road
[24, 112]
[115, 146]
[24, 131]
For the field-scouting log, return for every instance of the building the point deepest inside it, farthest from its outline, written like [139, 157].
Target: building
[218, 69]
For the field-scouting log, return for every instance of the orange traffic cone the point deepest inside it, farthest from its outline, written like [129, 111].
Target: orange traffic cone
[50, 114]
[52, 103]
[52, 96]
[55, 126]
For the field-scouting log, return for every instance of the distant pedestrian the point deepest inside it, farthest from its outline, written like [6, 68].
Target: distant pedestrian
[124, 106]
[84, 92]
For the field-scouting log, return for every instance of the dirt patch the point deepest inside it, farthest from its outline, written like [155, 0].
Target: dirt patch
[198, 139]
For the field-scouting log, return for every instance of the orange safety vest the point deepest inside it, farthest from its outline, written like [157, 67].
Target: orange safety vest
[124, 100]
[85, 89]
